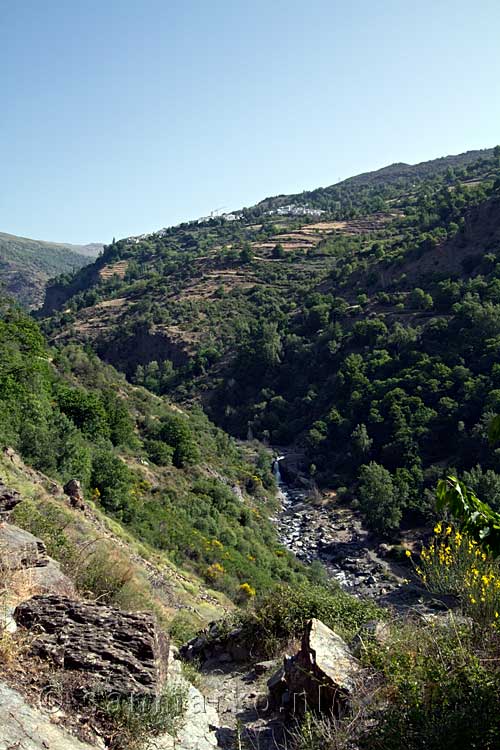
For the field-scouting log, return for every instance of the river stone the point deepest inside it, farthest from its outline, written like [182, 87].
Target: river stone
[122, 653]
[324, 674]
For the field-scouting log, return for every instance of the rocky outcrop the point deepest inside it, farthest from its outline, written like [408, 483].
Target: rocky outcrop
[24, 558]
[8, 500]
[322, 676]
[73, 489]
[198, 730]
[120, 652]
[216, 644]
[20, 549]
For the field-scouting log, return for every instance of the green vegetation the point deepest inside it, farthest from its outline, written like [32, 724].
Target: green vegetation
[132, 722]
[374, 348]
[168, 476]
[370, 338]
[436, 683]
[280, 616]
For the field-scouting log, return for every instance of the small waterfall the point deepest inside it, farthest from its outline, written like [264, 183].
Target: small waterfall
[276, 469]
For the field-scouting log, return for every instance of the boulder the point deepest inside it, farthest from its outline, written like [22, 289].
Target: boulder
[121, 653]
[20, 549]
[73, 489]
[324, 674]
[215, 644]
[277, 687]
[24, 559]
[8, 501]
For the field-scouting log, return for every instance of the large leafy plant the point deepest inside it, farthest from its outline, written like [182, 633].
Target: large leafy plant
[477, 519]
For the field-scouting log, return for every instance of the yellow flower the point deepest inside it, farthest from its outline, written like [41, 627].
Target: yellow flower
[448, 531]
[438, 528]
[408, 553]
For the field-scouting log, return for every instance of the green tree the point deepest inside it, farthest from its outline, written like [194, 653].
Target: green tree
[378, 497]
[361, 441]
[278, 251]
[175, 431]
[246, 254]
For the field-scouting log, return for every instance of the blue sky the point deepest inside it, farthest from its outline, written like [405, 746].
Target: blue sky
[123, 116]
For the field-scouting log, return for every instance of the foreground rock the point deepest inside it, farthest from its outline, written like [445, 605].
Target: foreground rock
[121, 653]
[322, 676]
[24, 727]
[200, 723]
[26, 567]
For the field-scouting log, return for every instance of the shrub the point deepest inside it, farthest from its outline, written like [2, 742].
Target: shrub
[281, 614]
[453, 563]
[440, 692]
[47, 523]
[102, 577]
[134, 720]
[159, 452]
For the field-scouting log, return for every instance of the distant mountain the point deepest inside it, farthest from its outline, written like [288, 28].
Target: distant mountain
[26, 265]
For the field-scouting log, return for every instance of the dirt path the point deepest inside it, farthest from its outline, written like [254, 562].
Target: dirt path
[240, 697]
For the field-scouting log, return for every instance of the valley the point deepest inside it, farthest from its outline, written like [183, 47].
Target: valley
[350, 332]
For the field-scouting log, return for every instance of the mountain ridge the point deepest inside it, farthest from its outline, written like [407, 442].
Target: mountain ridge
[26, 265]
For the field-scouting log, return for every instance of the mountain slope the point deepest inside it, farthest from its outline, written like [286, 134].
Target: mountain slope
[366, 334]
[26, 265]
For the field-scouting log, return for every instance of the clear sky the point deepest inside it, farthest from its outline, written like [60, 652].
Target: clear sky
[123, 116]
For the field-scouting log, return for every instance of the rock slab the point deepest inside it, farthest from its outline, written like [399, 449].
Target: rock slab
[122, 653]
[324, 673]
[24, 727]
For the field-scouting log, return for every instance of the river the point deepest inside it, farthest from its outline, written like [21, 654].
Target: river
[316, 526]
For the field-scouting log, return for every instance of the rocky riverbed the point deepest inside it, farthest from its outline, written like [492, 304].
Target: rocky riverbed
[320, 528]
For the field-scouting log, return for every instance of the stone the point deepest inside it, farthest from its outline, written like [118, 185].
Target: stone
[277, 686]
[24, 727]
[264, 666]
[8, 501]
[324, 674]
[25, 558]
[20, 549]
[122, 653]
[73, 489]
[200, 723]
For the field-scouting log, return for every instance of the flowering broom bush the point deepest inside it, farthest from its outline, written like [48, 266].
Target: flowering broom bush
[454, 563]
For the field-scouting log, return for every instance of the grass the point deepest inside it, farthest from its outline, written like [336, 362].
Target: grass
[132, 722]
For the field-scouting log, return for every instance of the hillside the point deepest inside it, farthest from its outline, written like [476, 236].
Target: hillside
[363, 341]
[362, 334]
[26, 265]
